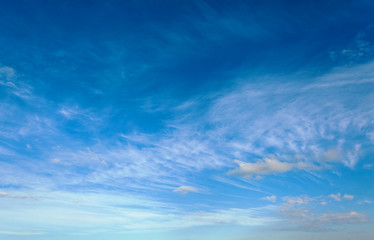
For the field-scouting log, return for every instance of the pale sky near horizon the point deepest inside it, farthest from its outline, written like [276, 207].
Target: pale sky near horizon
[186, 120]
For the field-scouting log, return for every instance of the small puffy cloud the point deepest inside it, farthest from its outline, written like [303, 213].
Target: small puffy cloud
[267, 166]
[301, 212]
[185, 189]
[271, 198]
[293, 213]
[296, 201]
[348, 197]
[323, 203]
[336, 197]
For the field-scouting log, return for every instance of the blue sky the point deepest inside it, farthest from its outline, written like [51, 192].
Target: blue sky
[186, 120]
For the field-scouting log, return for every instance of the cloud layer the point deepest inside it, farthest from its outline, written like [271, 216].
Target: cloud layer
[139, 118]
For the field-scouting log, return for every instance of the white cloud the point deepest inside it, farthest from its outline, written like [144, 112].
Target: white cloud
[56, 160]
[358, 50]
[232, 216]
[20, 89]
[271, 198]
[296, 201]
[6, 74]
[22, 233]
[185, 189]
[343, 218]
[353, 156]
[331, 155]
[348, 197]
[318, 124]
[87, 116]
[336, 197]
[366, 202]
[267, 166]
[303, 212]
[111, 211]
[311, 126]
[320, 222]
[236, 184]
[68, 113]
[306, 123]
[20, 196]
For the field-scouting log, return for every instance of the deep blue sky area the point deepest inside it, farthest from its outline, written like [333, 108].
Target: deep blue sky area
[182, 120]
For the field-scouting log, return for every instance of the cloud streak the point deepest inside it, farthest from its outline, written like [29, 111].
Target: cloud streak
[271, 198]
[109, 211]
[185, 189]
[10, 195]
[268, 166]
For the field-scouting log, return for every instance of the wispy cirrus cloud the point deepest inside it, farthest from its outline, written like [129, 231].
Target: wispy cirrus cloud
[201, 116]
[20, 89]
[73, 111]
[12, 195]
[304, 129]
[98, 210]
[303, 124]
[360, 49]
